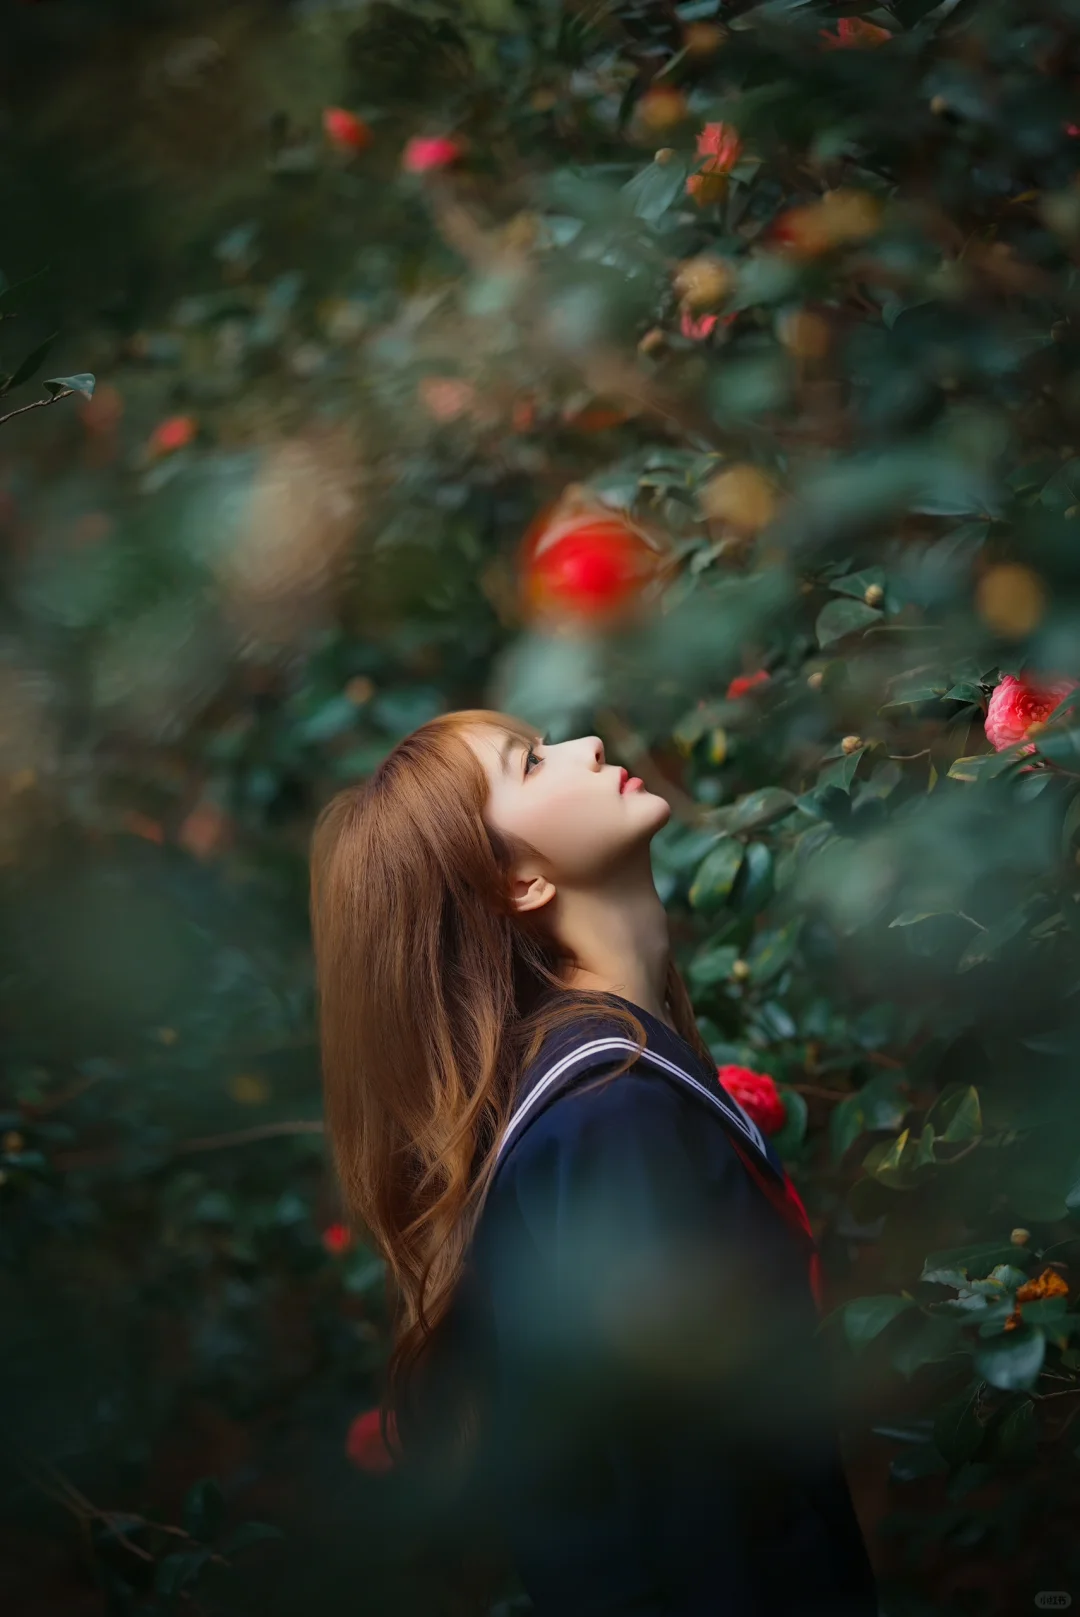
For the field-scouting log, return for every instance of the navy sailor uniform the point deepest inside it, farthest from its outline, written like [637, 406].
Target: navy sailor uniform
[661, 1440]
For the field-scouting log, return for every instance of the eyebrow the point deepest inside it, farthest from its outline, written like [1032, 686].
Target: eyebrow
[507, 748]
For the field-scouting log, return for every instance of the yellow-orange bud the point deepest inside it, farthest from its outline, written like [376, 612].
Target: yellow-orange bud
[742, 496]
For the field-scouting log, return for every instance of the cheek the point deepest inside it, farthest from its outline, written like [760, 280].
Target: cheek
[572, 827]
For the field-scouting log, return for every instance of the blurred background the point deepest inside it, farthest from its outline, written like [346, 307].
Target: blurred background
[702, 375]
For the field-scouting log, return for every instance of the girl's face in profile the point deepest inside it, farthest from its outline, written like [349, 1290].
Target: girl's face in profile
[567, 802]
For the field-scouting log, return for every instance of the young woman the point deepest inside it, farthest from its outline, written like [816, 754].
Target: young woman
[605, 1327]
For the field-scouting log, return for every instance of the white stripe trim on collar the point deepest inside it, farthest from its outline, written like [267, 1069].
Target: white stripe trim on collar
[726, 1103]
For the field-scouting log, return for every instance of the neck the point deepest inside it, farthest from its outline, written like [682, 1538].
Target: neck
[618, 936]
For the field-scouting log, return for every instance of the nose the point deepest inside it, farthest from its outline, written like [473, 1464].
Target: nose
[597, 750]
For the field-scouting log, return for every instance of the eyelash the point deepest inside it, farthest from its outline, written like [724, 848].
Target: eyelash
[531, 754]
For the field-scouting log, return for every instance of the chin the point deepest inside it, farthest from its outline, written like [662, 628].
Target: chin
[660, 808]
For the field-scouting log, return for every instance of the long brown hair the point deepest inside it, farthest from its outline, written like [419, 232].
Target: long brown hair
[434, 994]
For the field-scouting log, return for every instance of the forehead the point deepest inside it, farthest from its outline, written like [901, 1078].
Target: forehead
[493, 746]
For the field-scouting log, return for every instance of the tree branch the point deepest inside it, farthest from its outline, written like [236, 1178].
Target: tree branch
[38, 404]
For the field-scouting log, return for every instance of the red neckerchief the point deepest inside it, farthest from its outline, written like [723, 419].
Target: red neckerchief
[789, 1205]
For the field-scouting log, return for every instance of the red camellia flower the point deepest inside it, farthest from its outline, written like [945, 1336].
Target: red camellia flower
[743, 684]
[344, 130]
[1017, 704]
[757, 1094]
[364, 1444]
[721, 147]
[855, 33]
[424, 153]
[176, 432]
[337, 1238]
[583, 559]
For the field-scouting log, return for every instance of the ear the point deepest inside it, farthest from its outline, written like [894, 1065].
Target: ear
[531, 893]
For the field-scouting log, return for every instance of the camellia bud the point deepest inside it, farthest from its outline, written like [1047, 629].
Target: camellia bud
[662, 107]
[740, 970]
[702, 39]
[803, 334]
[851, 744]
[873, 595]
[13, 1142]
[1020, 1237]
[743, 496]
[664, 156]
[651, 341]
[815, 679]
[359, 689]
[704, 281]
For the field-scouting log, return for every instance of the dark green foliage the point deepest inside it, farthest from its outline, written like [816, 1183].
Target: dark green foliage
[283, 530]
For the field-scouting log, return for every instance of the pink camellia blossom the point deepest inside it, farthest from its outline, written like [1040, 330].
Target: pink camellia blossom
[424, 153]
[743, 684]
[757, 1094]
[721, 147]
[697, 328]
[364, 1444]
[1017, 704]
[855, 33]
[721, 142]
[344, 130]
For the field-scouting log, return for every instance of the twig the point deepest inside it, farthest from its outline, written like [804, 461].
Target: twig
[821, 1094]
[261, 1131]
[64, 393]
[65, 1162]
[59, 1488]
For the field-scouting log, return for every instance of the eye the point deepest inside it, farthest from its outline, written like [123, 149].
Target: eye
[531, 754]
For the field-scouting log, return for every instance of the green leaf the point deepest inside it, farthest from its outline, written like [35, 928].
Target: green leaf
[331, 719]
[248, 1534]
[1013, 1431]
[771, 952]
[22, 373]
[716, 875]
[966, 1121]
[7, 289]
[984, 766]
[843, 617]
[936, 1338]
[653, 191]
[1013, 1360]
[846, 1124]
[792, 1132]
[758, 808]
[204, 1509]
[958, 1432]
[857, 584]
[978, 1260]
[179, 1570]
[842, 771]
[866, 1317]
[712, 966]
[755, 883]
[83, 382]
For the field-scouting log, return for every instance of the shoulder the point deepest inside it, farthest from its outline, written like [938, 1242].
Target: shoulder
[636, 1150]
